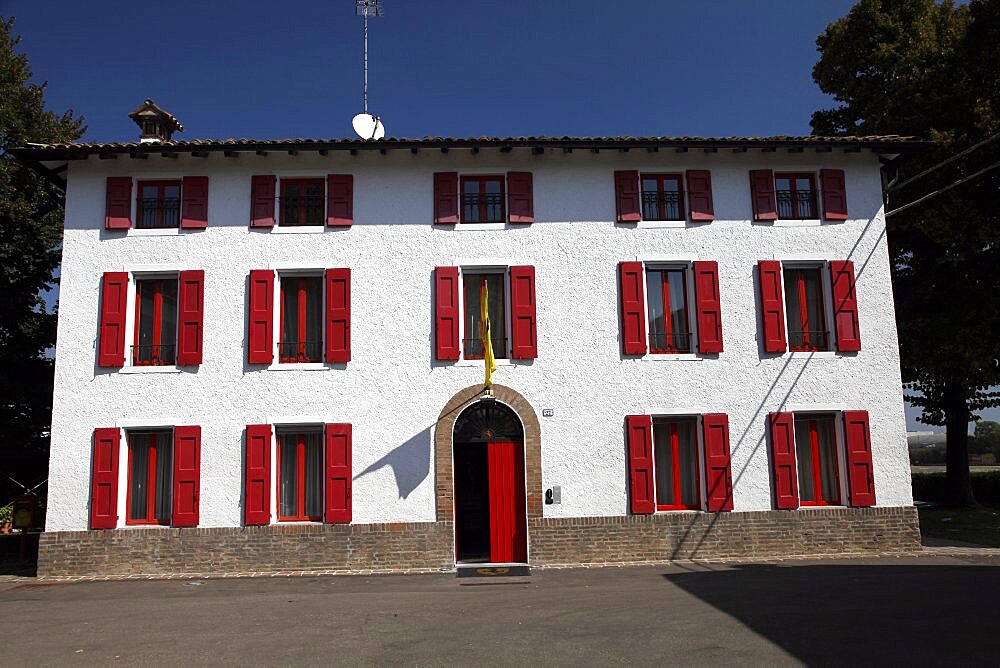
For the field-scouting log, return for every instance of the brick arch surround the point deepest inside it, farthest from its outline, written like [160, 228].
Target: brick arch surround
[444, 487]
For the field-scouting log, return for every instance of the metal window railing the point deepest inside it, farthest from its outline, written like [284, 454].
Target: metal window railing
[474, 348]
[796, 203]
[302, 209]
[158, 212]
[300, 351]
[474, 203]
[657, 205]
[675, 342]
[154, 355]
[809, 340]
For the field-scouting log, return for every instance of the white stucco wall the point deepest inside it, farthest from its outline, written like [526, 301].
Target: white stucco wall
[393, 390]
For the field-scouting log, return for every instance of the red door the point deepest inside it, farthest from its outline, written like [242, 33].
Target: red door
[508, 532]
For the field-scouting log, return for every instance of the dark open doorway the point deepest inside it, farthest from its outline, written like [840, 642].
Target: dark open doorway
[490, 519]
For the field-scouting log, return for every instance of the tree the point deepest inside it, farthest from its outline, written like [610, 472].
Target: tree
[31, 214]
[930, 69]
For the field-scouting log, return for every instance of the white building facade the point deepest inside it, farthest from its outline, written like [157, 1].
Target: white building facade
[268, 354]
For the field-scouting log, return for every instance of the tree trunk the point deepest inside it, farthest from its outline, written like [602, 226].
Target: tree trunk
[958, 484]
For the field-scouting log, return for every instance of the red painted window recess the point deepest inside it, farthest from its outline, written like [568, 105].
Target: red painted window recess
[301, 319]
[300, 476]
[805, 307]
[155, 333]
[675, 455]
[816, 455]
[667, 304]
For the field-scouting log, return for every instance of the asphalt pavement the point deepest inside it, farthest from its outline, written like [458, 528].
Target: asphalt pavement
[899, 610]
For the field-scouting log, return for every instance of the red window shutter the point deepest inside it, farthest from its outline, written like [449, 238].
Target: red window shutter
[524, 338]
[446, 312]
[630, 280]
[718, 467]
[786, 486]
[104, 479]
[845, 306]
[190, 316]
[709, 305]
[338, 315]
[446, 198]
[118, 208]
[187, 476]
[194, 202]
[860, 472]
[339, 200]
[765, 204]
[260, 346]
[262, 200]
[520, 197]
[699, 187]
[834, 194]
[639, 434]
[338, 473]
[772, 310]
[627, 196]
[114, 298]
[257, 495]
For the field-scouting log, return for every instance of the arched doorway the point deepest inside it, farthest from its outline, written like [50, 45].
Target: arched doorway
[490, 511]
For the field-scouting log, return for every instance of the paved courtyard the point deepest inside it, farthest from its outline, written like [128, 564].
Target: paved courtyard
[915, 610]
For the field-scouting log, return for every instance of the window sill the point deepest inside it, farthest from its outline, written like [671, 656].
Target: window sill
[659, 224]
[479, 363]
[671, 357]
[298, 366]
[150, 369]
[803, 222]
[678, 510]
[130, 527]
[297, 523]
[826, 507]
[156, 232]
[298, 229]
[813, 354]
[483, 227]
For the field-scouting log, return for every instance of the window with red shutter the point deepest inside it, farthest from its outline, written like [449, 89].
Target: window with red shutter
[300, 474]
[338, 473]
[520, 197]
[805, 305]
[446, 296]
[190, 317]
[816, 460]
[630, 283]
[795, 195]
[762, 196]
[667, 304]
[262, 193]
[339, 200]
[260, 323]
[187, 476]
[150, 477]
[772, 311]
[104, 479]
[524, 340]
[639, 442]
[718, 465]
[627, 204]
[114, 300]
[257, 475]
[159, 205]
[118, 204]
[860, 470]
[338, 315]
[662, 196]
[786, 491]
[699, 186]
[845, 306]
[709, 303]
[483, 199]
[194, 202]
[446, 198]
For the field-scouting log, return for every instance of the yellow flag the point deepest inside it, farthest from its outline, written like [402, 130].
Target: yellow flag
[484, 332]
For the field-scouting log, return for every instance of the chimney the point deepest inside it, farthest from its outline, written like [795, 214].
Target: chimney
[156, 124]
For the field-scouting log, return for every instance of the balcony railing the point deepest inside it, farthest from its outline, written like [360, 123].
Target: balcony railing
[796, 203]
[154, 355]
[675, 342]
[812, 340]
[300, 351]
[482, 208]
[657, 205]
[158, 213]
[474, 348]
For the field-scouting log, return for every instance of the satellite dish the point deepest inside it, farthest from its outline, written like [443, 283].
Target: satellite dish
[368, 126]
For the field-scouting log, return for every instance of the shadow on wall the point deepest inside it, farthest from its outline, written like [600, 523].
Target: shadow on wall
[410, 462]
[861, 614]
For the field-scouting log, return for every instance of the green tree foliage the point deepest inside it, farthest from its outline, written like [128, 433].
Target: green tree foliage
[31, 214]
[930, 69]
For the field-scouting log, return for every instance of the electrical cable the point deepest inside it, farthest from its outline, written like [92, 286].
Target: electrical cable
[943, 163]
[945, 189]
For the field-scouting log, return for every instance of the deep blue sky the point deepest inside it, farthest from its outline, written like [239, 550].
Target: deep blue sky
[437, 67]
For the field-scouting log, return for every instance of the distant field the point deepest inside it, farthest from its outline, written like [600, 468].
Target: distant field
[935, 469]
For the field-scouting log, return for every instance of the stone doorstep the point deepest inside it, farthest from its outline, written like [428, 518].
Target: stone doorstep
[925, 552]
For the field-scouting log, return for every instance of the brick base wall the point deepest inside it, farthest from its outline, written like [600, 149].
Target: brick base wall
[428, 545]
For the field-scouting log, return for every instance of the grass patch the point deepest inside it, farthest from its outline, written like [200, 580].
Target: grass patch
[971, 525]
